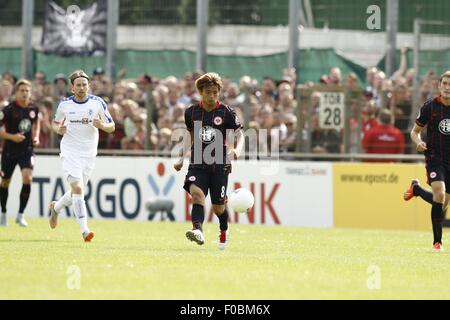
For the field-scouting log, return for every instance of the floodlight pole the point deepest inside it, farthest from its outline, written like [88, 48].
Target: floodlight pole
[202, 33]
[391, 35]
[294, 21]
[111, 38]
[27, 30]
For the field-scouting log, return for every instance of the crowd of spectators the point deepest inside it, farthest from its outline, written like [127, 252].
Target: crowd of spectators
[271, 103]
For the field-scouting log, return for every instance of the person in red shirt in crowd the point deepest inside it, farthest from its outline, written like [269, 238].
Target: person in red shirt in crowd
[369, 117]
[384, 138]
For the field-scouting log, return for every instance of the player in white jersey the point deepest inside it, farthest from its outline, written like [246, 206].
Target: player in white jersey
[78, 119]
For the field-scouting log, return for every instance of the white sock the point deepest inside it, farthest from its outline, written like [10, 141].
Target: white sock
[19, 215]
[64, 201]
[79, 208]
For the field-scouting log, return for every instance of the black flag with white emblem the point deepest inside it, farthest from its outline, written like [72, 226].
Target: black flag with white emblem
[73, 31]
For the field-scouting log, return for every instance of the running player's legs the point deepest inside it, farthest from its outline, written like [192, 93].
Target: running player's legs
[437, 177]
[218, 186]
[8, 165]
[26, 164]
[196, 184]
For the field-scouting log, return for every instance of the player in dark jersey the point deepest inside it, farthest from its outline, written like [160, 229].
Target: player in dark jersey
[435, 114]
[208, 124]
[20, 135]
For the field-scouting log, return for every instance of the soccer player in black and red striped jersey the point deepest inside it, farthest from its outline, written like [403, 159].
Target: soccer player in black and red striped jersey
[435, 114]
[209, 124]
[21, 135]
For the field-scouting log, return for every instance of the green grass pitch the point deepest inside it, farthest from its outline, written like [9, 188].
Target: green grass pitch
[154, 260]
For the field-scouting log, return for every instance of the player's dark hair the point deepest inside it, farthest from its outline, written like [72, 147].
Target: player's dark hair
[446, 74]
[78, 74]
[207, 80]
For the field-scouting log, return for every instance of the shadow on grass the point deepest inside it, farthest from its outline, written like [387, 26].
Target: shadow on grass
[34, 240]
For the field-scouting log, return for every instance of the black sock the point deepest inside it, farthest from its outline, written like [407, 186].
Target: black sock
[198, 216]
[426, 195]
[223, 220]
[437, 218]
[24, 196]
[3, 198]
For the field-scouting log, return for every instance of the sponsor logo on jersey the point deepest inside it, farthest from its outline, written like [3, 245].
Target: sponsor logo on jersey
[25, 125]
[85, 120]
[207, 134]
[444, 126]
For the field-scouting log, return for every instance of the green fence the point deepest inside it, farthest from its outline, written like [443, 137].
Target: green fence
[313, 63]
[162, 63]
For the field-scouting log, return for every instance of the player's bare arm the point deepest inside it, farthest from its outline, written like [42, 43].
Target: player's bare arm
[235, 152]
[107, 127]
[36, 130]
[415, 137]
[187, 143]
[17, 137]
[59, 127]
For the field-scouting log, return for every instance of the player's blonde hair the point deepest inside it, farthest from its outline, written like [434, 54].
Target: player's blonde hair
[78, 74]
[207, 80]
[446, 74]
[22, 82]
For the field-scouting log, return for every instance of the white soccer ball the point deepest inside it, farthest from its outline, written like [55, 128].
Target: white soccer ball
[241, 200]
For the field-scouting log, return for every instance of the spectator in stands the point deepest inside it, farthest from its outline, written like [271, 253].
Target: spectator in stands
[268, 92]
[60, 87]
[401, 106]
[384, 138]
[8, 76]
[324, 140]
[335, 76]
[45, 120]
[40, 78]
[289, 142]
[114, 141]
[6, 91]
[370, 76]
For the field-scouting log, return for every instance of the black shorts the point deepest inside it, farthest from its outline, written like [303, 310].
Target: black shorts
[25, 161]
[212, 178]
[439, 172]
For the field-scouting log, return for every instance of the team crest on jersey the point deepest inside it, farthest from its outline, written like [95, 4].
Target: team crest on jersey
[90, 112]
[191, 178]
[444, 126]
[25, 125]
[218, 121]
[207, 134]
[433, 175]
[32, 114]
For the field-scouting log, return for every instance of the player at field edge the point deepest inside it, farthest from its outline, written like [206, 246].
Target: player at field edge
[435, 114]
[209, 122]
[78, 119]
[21, 135]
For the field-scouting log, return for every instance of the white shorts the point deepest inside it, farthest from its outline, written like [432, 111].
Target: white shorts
[77, 168]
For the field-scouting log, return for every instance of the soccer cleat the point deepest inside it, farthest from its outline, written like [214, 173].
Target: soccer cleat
[409, 193]
[3, 220]
[195, 235]
[21, 221]
[53, 215]
[224, 238]
[87, 236]
[437, 247]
